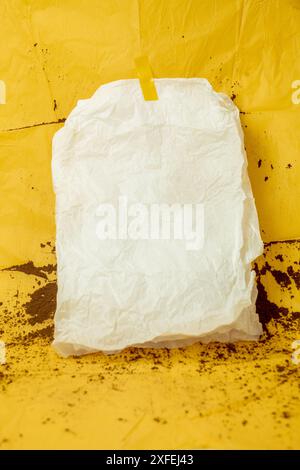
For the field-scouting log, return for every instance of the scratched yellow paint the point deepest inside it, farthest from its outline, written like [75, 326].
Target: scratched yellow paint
[56, 52]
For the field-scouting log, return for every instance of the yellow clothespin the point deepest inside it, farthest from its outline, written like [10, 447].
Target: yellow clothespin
[2, 92]
[146, 79]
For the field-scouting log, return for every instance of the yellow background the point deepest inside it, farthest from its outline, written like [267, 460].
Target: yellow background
[54, 52]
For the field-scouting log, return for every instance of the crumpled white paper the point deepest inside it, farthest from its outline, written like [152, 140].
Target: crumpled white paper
[185, 148]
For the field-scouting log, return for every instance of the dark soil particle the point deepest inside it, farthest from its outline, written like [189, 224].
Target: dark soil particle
[264, 269]
[294, 241]
[43, 333]
[266, 310]
[231, 347]
[30, 268]
[294, 275]
[42, 304]
[281, 277]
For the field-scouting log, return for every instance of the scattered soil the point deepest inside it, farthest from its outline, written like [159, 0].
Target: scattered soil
[43, 333]
[295, 275]
[266, 309]
[281, 277]
[289, 242]
[31, 269]
[42, 304]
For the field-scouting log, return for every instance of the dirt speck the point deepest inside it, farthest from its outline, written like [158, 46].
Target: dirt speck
[30, 268]
[295, 275]
[266, 309]
[42, 304]
[281, 277]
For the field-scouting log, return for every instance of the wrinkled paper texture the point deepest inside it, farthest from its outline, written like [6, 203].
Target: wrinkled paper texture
[187, 147]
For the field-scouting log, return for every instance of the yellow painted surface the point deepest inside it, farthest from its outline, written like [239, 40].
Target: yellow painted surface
[56, 52]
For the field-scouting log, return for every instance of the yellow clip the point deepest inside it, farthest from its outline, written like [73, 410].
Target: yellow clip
[146, 79]
[2, 92]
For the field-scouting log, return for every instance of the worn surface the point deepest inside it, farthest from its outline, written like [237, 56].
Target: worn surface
[244, 395]
[217, 396]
